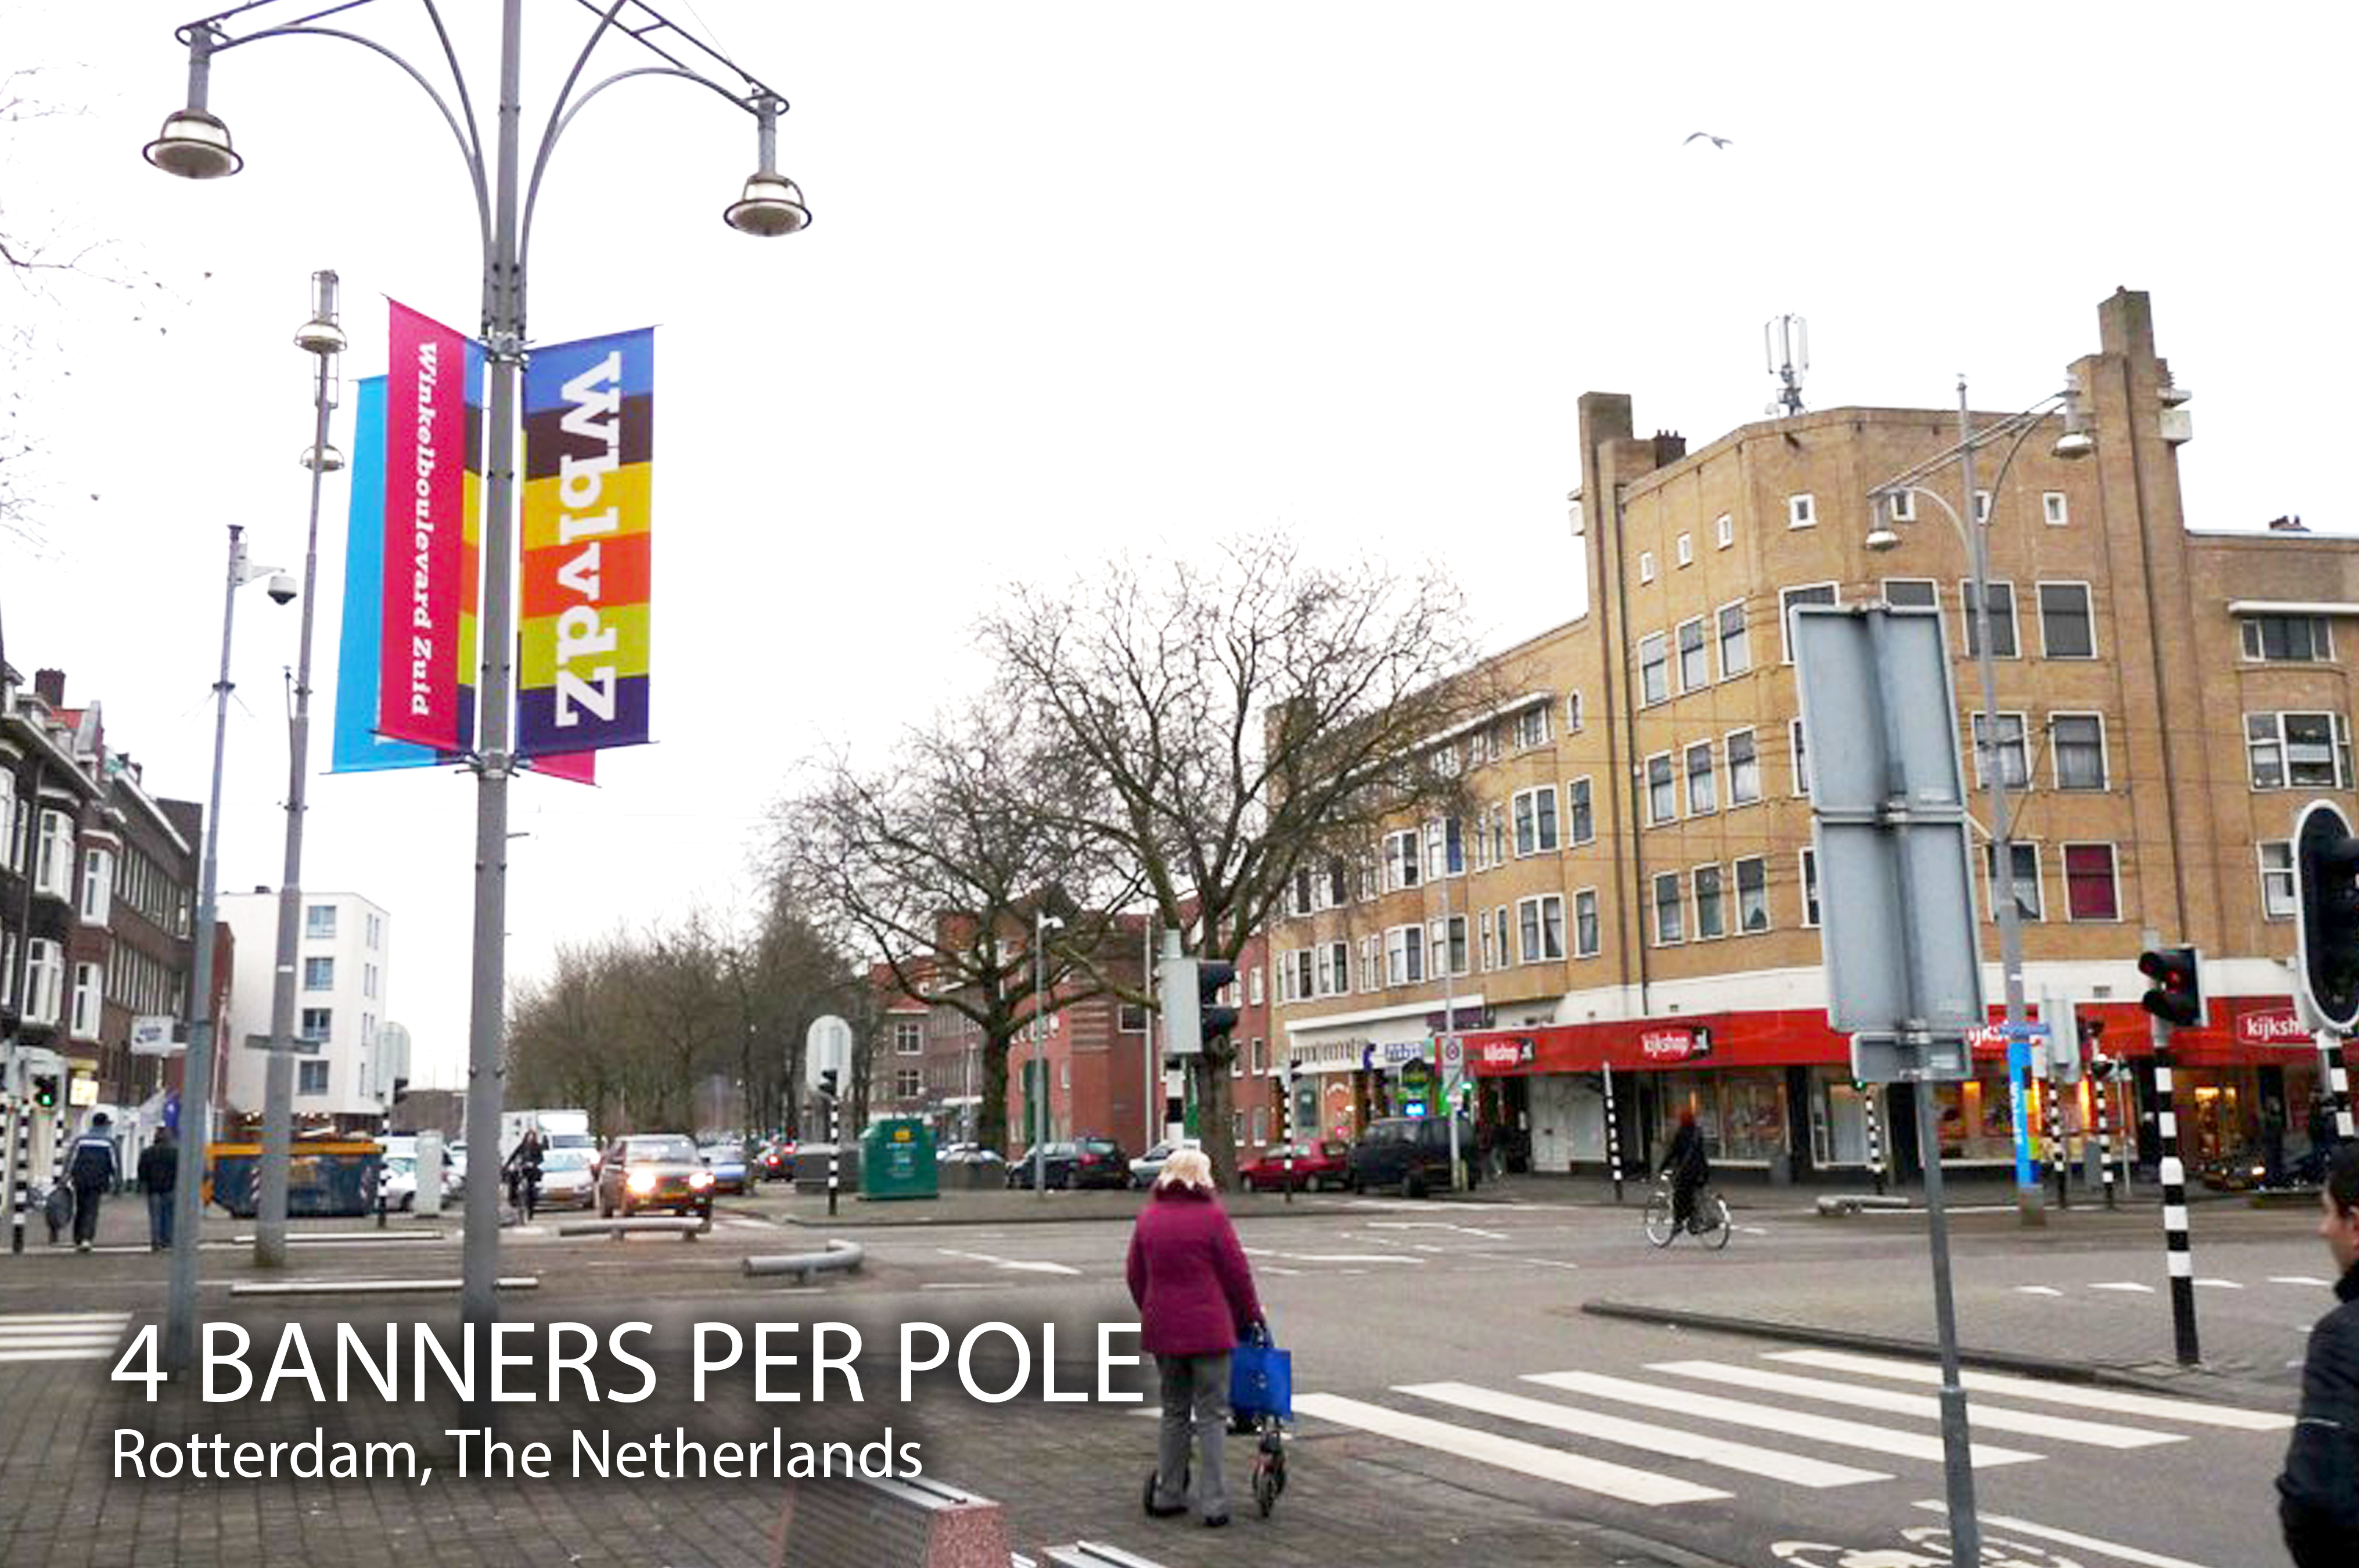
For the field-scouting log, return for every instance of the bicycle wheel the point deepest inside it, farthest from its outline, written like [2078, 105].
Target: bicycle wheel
[1721, 1224]
[1659, 1228]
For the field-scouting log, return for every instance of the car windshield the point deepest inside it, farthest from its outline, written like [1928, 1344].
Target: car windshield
[566, 1159]
[400, 1165]
[728, 1151]
[677, 1150]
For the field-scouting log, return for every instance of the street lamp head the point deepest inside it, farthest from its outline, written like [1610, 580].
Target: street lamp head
[1881, 539]
[193, 145]
[771, 205]
[2075, 444]
[321, 334]
[326, 459]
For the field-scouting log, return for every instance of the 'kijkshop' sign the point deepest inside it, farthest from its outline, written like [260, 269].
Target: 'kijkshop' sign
[1675, 1045]
[2270, 1025]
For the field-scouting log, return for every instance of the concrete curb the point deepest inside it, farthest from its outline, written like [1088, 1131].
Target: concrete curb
[845, 1221]
[2053, 1369]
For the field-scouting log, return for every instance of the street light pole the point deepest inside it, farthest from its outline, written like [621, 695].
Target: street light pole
[1042, 924]
[323, 339]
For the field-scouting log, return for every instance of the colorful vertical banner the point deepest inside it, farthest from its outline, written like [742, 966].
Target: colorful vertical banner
[357, 747]
[588, 447]
[422, 658]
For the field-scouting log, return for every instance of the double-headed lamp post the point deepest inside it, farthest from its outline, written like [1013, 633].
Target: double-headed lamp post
[2074, 444]
[1043, 923]
[195, 143]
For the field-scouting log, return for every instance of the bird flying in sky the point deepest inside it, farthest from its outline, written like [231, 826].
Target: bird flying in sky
[1706, 135]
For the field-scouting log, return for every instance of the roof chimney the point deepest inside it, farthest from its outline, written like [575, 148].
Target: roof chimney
[2286, 526]
[49, 686]
[1670, 446]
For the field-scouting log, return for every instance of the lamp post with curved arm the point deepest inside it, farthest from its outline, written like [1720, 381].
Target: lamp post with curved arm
[2075, 443]
[195, 143]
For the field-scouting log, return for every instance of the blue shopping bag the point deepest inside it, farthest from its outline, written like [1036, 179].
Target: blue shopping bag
[1261, 1379]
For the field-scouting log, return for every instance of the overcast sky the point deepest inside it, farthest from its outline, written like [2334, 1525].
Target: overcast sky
[1087, 274]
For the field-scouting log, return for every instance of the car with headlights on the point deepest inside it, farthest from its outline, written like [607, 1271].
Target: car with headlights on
[654, 1170]
[567, 1179]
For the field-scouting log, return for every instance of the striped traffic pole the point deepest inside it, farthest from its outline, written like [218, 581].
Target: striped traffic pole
[20, 1168]
[2100, 1096]
[835, 1147]
[2052, 1097]
[1612, 1135]
[2338, 1086]
[1290, 1132]
[2180, 1258]
[1867, 1096]
[59, 1147]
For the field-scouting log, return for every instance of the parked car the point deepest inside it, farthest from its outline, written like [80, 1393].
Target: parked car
[1321, 1164]
[775, 1161]
[654, 1170]
[567, 1179]
[1411, 1153]
[728, 1163]
[1086, 1161]
[968, 1154]
[1149, 1165]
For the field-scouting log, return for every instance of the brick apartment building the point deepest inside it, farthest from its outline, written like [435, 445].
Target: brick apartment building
[1634, 887]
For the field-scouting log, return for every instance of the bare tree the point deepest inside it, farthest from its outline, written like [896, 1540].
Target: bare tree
[941, 863]
[1238, 719]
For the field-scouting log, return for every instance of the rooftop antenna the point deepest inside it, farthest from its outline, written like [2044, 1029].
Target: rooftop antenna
[1786, 354]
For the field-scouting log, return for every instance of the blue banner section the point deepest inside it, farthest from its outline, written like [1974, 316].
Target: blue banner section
[357, 747]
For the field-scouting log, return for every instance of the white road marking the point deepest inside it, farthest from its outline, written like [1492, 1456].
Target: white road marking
[59, 1337]
[1642, 1486]
[1882, 1439]
[1276, 1268]
[1765, 1462]
[1348, 1257]
[1518, 1257]
[2301, 1279]
[1009, 1262]
[2219, 1284]
[1437, 1225]
[966, 1285]
[2062, 1427]
[2079, 1394]
[2130, 1285]
[2037, 1291]
[2143, 1558]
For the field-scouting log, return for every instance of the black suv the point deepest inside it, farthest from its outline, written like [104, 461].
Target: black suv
[1083, 1161]
[1409, 1152]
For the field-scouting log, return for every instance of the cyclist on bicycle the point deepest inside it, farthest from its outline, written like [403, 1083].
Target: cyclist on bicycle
[1684, 1159]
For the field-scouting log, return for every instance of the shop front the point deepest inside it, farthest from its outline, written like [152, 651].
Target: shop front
[2245, 1082]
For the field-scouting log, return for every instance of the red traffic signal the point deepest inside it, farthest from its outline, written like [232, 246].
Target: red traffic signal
[2177, 995]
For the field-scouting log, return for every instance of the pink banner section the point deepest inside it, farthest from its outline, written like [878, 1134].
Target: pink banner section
[425, 459]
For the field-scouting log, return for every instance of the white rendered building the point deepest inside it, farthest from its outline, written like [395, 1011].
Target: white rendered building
[343, 952]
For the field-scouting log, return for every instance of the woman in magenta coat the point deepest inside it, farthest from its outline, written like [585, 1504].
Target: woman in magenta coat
[1196, 1300]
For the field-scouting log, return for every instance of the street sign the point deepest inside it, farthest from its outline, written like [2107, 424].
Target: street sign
[296, 1046]
[151, 1034]
[1454, 1055]
[827, 1045]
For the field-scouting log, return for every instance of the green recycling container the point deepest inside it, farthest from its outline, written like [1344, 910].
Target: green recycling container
[896, 1160]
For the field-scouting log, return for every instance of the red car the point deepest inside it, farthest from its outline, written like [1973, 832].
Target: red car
[1316, 1165]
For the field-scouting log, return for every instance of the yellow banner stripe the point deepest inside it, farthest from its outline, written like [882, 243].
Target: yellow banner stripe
[628, 623]
[629, 489]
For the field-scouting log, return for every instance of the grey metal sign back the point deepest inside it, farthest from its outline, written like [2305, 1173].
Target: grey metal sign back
[1896, 913]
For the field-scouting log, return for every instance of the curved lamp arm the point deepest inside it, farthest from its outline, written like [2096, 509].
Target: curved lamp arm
[562, 116]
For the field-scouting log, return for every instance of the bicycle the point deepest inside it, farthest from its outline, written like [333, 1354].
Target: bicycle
[1710, 1220]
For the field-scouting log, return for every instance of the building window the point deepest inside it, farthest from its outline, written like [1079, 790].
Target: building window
[1584, 923]
[88, 992]
[1703, 783]
[1534, 814]
[1572, 716]
[1654, 669]
[909, 1082]
[1900, 505]
[1645, 566]
[1325, 980]
[1709, 918]
[1542, 920]
[1299, 899]
[2278, 901]
[1736, 647]
[44, 980]
[1671, 911]
[1982, 506]
[1447, 938]
[1724, 530]
[2299, 750]
[2027, 904]
[311, 1077]
[1686, 549]
[1253, 988]
[1809, 859]
[368, 981]
[2287, 640]
[1580, 816]
[315, 1023]
[1400, 859]
[1815, 594]
[1299, 969]
[53, 860]
[1744, 769]
[1801, 757]
[2078, 741]
[1695, 663]
[2002, 620]
[320, 920]
[1499, 924]
[2052, 508]
[1912, 593]
[1490, 952]
[1261, 1056]
[1531, 728]
[1663, 790]
[319, 974]
[2066, 628]
[2091, 892]
[375, 926]
[909, 1037]
[9, 859]
[2014, 761]
[1752, 895]
[1405, 955]
[1802, 511]
[97, 886]
[1371, 974]
[1260, 1125]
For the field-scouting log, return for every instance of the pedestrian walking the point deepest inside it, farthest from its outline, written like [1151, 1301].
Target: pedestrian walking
[1195, 1297]
[2318, 1496]
[159, 1172]
[524, 1164]
[91, 1167]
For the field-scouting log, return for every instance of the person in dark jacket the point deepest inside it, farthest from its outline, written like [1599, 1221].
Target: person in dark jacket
[524, 1165]
[91, 1167]
[159, 1172]
[2318, 1496]
[1688, 1168]
[1195, 1297]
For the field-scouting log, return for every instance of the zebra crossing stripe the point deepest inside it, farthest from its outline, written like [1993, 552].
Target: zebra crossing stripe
[2031, 1423]
[1641, 1487]
[2085, 1396]
[59, 1337]
[1773, 1463]
[1881, 1440]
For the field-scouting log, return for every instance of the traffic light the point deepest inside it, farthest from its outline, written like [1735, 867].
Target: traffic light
[2177, 995]
[45, 1091]
[2326, 892]
[827, 1083]
[1213, 1021]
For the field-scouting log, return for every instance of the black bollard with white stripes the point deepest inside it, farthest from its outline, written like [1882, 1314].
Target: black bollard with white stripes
[1290, 1132]
[20, 1164]
[1612, 1135]
[834, 1148]
[2338, 1085]
[2102, 1095]
[2181, 1256]
[1867, 1095]
[2052, 1098]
